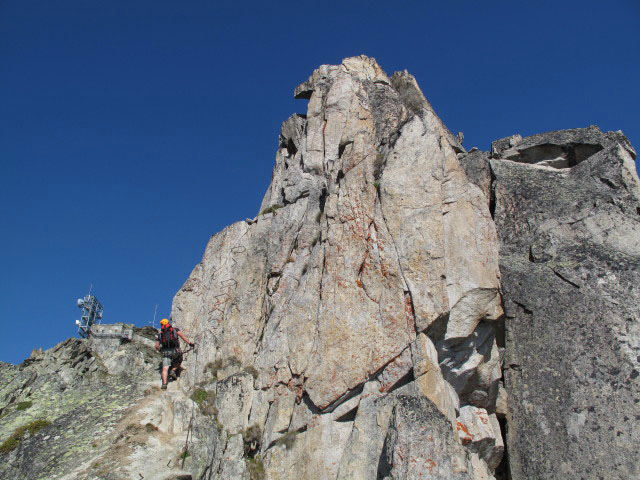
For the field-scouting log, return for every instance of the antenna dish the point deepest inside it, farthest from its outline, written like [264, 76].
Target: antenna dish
[80, 302]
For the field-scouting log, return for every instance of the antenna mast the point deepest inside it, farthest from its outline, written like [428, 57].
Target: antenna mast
[154, 316]
[91, 313]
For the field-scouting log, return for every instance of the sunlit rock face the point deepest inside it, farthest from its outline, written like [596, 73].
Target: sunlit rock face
[369, 236]
[364, 305]
[399, 308]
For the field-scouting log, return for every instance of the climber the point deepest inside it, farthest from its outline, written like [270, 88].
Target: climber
[169, 345]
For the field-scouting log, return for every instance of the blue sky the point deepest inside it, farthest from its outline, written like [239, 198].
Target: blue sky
[132, 131]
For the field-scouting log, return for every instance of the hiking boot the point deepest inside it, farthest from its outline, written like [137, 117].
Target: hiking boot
[164, 386]
[172, 375]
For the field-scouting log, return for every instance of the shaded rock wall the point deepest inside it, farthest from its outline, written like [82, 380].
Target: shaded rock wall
[570, 264]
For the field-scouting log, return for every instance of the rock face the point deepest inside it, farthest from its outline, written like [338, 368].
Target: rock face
[399, 307]
[570, 264]
[372, 261]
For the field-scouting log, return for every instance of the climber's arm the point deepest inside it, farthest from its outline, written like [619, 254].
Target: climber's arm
[182, 336]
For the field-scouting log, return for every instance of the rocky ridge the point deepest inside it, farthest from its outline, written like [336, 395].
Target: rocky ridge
[98, 411]
[403, 308]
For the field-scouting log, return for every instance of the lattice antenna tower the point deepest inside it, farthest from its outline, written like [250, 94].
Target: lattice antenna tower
[91, 314]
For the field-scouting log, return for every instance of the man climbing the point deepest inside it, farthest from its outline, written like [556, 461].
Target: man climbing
[169, 345]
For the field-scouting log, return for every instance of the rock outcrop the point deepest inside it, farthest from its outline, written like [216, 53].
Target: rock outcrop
[373, 262]
[89, 409]
[403, 308]
[570, 264]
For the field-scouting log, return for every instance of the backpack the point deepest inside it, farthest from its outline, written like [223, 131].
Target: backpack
[169, 338]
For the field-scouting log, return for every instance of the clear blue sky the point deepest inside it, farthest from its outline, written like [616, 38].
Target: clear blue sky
[131, 131]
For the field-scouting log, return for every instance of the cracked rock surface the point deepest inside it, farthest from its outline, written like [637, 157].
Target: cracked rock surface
[381, 262]
[369, 237]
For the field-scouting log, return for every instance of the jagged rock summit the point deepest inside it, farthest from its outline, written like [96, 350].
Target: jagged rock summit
[402, 308]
